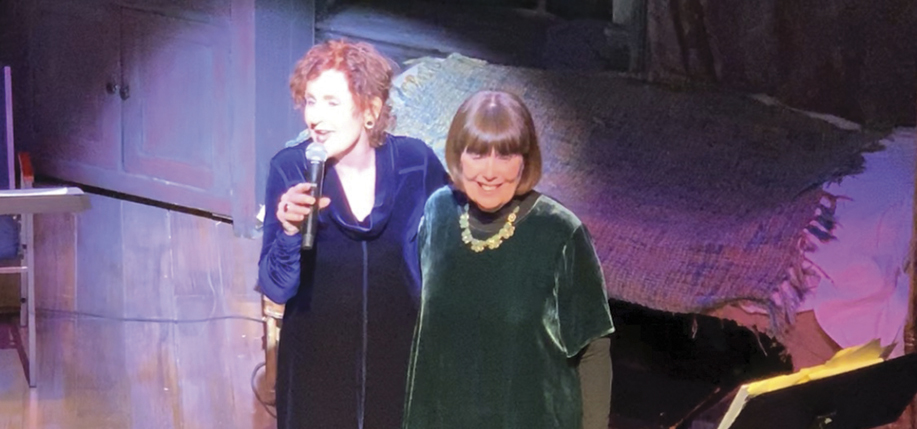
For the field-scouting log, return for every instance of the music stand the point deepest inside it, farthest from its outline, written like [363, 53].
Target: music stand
[859, 399]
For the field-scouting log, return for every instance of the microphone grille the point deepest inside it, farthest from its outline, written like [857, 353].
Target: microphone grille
[316, 152]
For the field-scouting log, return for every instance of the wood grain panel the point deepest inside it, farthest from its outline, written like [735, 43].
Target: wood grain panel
[177, 115]
[135, 260]
[74, 58]
[95, 376]
[201, 360]
[196, 260]
[100, 258]
[153, 375]
[55, 281]
[238, 264]
[147, 253]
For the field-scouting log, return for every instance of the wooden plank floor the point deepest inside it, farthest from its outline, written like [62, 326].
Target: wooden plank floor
[123, 260]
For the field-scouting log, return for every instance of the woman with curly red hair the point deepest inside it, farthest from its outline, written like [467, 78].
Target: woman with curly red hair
[350, 299]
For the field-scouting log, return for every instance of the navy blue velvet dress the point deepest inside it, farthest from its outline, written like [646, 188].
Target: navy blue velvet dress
[351, 301]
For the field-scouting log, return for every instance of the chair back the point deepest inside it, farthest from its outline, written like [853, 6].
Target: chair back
[9, 226]
[7, 160]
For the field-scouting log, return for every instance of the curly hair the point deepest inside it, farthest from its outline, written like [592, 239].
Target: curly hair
[369, 75]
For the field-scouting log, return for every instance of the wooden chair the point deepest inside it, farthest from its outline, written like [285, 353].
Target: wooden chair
[23, 265]
[272, 315]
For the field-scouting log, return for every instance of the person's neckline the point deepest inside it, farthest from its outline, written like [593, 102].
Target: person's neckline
[374, 223]
[359, 157]
[491, 222]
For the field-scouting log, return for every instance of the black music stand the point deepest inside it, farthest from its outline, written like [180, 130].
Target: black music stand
[859, 399]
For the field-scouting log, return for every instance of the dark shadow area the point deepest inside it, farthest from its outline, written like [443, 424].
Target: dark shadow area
[577, 35]
[669, 368]
[867, 397]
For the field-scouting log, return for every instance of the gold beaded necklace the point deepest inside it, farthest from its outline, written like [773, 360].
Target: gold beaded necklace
[491, 242]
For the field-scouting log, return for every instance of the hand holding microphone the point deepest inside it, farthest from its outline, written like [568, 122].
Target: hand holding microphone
[315, 174]
[297, 209]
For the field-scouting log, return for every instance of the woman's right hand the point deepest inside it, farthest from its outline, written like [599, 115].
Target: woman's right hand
[295, 204]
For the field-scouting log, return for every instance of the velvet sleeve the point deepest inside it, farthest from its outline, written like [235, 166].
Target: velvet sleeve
[595, 383]
[582, 303]
[278, 266]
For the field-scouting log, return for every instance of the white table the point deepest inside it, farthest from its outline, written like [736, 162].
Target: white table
[27, 203]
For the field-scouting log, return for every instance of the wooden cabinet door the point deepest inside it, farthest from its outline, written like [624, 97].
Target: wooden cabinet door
[75, 63]
[176, 114]
[134, 102]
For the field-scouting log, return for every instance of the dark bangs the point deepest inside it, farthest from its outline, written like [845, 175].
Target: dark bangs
[494, 121]
[493, 127]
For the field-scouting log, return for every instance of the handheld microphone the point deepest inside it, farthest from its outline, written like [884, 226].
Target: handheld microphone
[315, 174]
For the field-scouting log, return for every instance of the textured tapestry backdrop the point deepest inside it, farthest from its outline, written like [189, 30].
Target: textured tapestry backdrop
[695, 198]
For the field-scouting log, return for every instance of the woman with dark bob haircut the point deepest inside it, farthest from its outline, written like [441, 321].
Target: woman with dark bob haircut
[350, 298]
[513, 324]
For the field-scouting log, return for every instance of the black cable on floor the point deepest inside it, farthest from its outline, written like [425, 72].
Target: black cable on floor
[267, 406]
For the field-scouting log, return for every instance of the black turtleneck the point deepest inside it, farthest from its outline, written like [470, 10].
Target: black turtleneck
[484, 223]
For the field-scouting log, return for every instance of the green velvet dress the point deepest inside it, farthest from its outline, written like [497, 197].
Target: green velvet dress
[498, 331]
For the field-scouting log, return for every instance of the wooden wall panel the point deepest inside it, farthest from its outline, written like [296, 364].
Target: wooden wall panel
[55, 282]
[127, 261]
[100, 284]
[146, 247]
